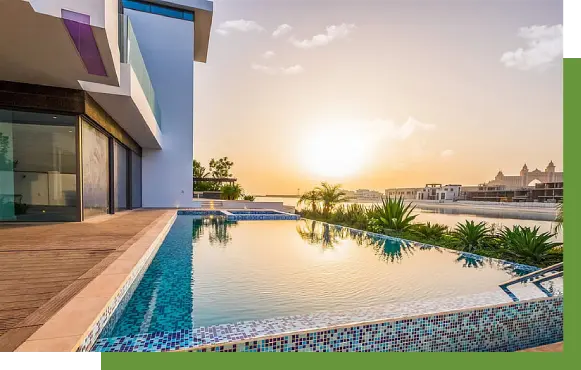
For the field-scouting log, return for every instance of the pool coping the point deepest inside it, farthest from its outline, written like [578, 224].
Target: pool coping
[257, 214]
[76, 325]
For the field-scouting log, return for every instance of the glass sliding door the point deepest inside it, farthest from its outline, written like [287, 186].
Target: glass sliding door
[95, 160]
[120, 176]
[135, 180]
[38, 170]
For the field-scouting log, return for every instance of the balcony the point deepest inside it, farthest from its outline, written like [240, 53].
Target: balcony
[130, 53]
[133, 104]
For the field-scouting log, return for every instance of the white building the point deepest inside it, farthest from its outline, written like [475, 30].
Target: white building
[439, 192]
[96, 105]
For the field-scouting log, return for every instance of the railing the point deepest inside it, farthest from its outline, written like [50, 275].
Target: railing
[130, 53]
[536, 277]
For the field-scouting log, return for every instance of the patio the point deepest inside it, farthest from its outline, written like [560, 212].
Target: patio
[43, 266]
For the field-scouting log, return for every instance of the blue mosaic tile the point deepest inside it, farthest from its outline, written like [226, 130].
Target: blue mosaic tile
[508, 327]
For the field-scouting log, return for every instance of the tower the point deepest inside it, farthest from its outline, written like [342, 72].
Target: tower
[524, 174]
[550, 172]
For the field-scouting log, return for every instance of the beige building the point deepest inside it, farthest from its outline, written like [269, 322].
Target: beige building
[406, 193]
[528, 178]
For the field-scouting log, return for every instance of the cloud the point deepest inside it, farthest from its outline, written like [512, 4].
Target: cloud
[385, 129]
[282, 30]
[333, 32]
[268, 54]
[447, 153]
[544, 47]
[292, 70]
[240, 25]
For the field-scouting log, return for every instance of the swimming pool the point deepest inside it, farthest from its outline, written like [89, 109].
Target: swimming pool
[211, 271]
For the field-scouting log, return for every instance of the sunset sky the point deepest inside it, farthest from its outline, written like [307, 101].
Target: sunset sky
[376, 94]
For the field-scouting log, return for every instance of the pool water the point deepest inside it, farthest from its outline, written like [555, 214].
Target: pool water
[211, 271]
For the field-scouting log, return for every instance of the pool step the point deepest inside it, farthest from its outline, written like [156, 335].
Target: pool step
[211, 204]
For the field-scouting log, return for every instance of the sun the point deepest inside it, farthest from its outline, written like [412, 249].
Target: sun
[334, 150]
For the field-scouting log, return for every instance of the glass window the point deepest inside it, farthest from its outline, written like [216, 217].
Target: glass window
[120, 176]
[38, 167]
[168, 12]
[95, 171]
[137, 5]
[135, 180]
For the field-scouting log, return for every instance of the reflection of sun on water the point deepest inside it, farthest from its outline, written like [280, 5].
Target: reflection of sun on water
[334, 150]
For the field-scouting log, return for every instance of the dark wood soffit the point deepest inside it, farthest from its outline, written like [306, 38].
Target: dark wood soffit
[19, 96]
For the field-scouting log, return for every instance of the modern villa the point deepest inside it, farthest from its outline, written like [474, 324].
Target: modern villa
[96, 105]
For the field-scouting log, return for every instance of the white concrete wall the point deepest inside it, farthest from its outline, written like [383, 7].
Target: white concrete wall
[167, 46]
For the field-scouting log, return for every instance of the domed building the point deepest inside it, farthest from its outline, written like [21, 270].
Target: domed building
[528, 178]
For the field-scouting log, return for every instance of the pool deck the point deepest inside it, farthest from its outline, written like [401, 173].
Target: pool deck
[43, 266]
[555, 347]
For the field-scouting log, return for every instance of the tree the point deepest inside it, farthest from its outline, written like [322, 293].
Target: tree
[231, 192]
[311, 199]
[330, 195]
[221, 167]
[199, 170]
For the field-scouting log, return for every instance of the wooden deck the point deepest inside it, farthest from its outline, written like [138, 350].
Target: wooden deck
[42, 266]
[555, 347]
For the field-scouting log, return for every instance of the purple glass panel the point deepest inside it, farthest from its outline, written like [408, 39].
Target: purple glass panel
[79, 28]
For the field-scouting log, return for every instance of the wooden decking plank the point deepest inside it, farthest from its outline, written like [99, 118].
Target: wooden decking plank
[42, 266]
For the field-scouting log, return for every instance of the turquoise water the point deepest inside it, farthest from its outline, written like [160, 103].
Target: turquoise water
[211, 271]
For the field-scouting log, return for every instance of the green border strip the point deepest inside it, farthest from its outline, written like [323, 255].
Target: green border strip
[572, 199]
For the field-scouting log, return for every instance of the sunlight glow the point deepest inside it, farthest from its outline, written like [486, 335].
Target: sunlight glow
[335, 150]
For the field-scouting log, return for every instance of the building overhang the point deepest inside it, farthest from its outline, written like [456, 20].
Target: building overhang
[128, 106]
[203, 11]
[37, 44]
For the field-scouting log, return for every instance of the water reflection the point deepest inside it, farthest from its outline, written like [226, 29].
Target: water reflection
[217, 227]
[317, 233]
[392, 250]
[470, 261]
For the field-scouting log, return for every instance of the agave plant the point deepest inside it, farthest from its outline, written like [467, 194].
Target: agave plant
[430, 231]
[470, 236]
[529, 246]
[391, 214]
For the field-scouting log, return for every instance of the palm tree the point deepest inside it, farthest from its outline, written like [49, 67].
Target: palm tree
[392, 214]
[330, 195]
[311, 199]
[529, 246]
[470, 236]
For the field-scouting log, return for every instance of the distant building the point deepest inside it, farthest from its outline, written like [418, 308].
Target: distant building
[528, 178]
[439, 192]
[548, 192]
[406, 193]
[367, 195]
